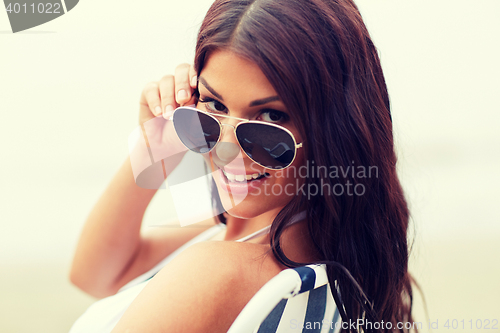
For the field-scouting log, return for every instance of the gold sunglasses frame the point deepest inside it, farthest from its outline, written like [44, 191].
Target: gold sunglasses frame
[241, 121]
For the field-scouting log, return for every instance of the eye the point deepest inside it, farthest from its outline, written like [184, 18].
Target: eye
[213, 105]
[274, 116]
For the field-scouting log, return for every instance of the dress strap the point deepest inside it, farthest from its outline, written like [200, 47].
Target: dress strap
[256, 234]
[296, 218]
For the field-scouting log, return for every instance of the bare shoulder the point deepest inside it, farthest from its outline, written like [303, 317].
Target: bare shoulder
[247, 260]
[203, 289]
[156, 244]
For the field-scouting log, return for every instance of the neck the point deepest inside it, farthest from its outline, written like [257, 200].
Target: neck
[237, 227]
[295, 240]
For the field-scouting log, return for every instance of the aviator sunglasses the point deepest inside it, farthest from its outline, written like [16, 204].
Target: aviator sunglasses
[269, 145]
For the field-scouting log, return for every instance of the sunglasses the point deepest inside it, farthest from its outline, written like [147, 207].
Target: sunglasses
[269, 145]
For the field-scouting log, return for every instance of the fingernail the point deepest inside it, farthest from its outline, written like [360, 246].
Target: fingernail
[157, 111]
[168, 111]
[194, 81]
[181, 95]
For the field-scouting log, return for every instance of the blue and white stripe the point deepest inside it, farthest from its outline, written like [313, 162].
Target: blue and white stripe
[296, 300]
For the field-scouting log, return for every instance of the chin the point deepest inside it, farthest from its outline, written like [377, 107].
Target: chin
[240, 206]
[244, 212]
[250, 206]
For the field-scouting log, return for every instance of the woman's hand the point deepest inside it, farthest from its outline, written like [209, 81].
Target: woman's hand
[164, 96]
[157, 103]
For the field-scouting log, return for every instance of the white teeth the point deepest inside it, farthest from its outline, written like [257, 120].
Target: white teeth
[241, 178]
[229, 176]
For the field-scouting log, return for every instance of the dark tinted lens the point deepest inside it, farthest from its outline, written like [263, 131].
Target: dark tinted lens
[197, 131]
[270, 146]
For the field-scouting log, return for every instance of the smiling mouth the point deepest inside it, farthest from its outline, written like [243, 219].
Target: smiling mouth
[243, 178]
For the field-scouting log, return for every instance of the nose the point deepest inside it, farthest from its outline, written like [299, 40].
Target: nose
[227, 149]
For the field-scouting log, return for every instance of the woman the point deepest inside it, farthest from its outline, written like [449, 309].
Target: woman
[309, 68]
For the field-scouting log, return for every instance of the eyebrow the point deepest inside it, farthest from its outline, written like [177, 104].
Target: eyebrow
[262, 101]
[256, 102]
[204, 82]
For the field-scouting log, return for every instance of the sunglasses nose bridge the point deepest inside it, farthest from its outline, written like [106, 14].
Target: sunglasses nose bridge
[228, 148]
[234, 127]
[228, 134]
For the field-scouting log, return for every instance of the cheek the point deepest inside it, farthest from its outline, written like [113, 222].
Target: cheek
[299, 162]
[291, 179]
[298, 172]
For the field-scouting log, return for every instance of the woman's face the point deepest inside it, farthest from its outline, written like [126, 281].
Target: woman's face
[231, 85]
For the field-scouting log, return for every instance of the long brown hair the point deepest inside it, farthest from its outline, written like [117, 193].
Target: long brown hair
[320, 59]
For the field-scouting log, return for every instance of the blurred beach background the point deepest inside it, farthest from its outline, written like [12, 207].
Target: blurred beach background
[69, 92]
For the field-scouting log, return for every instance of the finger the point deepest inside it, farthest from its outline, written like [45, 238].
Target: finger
[182, 85]
[150, 100]
[194, 85]
[167, 95]
[193, 81]
[192, 101]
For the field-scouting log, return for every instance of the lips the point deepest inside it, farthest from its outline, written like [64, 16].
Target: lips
[241, 184]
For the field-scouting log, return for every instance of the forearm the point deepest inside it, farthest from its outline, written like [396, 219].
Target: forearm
[110, 249]
[111, 235]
